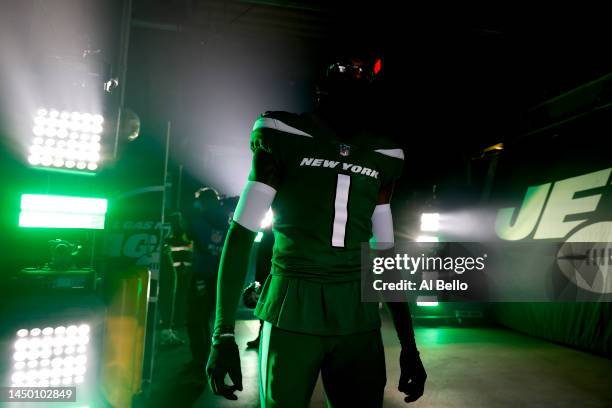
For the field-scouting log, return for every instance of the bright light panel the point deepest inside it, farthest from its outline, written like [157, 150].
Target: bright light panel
[69, 204]
[427, 304]
[68, 140]
[50, 211]
[48, 357]
[427, 238]
[430, 222]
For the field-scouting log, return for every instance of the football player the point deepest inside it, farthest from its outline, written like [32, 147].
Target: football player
[206, 226]
[329, 181]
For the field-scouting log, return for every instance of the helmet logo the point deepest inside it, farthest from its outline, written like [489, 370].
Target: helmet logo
[345, 150]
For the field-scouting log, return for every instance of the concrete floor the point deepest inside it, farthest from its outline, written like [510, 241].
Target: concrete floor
[467, 367]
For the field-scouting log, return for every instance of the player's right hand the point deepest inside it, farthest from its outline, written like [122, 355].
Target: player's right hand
[412, 374]
[224, 359]
[250, 295]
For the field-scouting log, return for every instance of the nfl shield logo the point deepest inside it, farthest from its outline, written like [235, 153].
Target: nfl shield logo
[345, 150]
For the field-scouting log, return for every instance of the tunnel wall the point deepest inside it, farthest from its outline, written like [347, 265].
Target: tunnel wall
[582, 325]
[568, 148]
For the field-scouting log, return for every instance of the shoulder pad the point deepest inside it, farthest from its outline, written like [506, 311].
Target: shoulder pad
[396, 153]
[280, 121]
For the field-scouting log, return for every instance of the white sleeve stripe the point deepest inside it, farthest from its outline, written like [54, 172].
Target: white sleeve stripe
[254, 202]
[276, 124]
[259, 186]
[382, 224]
[397, 153]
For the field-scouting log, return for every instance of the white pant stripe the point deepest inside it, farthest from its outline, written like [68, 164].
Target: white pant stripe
[264, 347]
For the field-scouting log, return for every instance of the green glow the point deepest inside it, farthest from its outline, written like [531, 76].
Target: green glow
[65, 204]
[50, 211]
[65, 171]
[259, 236]
[427, 304]
[59, 220]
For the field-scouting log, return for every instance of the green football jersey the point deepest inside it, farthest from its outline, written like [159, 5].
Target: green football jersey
[322, 209]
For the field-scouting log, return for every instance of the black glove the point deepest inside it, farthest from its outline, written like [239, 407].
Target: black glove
[250, 295]
[224, 359]
[413, 375]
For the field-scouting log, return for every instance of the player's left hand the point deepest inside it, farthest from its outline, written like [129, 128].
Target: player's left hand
[224, 359]
[413, 375]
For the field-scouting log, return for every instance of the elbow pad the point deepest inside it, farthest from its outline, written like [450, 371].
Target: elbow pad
[254, 202]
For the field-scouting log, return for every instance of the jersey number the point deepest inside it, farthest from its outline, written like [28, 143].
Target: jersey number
[340, 210]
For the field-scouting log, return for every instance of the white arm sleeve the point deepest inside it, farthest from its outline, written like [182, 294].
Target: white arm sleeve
[254, 202]
[382, 226]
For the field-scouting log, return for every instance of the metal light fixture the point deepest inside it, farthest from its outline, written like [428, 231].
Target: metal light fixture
[66, 140]
[51, 356]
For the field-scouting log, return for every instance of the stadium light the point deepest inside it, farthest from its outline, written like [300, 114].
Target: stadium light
[430, 222]
[427, 238]
[66, 140]
[52, 356]
[51, 211]
[427, 304]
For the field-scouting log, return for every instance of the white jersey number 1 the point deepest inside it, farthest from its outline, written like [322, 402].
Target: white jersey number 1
[341, 210]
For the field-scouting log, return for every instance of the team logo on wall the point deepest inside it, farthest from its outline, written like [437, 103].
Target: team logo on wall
[568, 210]
[586, 261]
[135, 230]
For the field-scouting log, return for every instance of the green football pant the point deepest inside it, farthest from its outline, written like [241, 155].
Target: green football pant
[352, 368]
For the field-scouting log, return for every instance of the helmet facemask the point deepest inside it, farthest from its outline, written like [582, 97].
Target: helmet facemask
[347, 86]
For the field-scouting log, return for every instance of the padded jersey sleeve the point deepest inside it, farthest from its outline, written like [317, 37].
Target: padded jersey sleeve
[253, 203]
[392, 164]
[265, 136]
